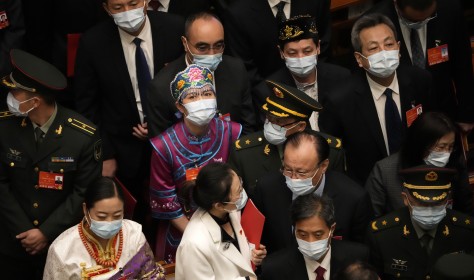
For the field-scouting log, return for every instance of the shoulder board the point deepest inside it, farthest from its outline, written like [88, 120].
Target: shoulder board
[248, 141]
[461, 219]
[385, 222]
[6, 115]
[334, 142]
[81, 126]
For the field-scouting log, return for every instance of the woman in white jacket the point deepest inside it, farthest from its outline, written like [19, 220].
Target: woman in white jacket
[214, 245]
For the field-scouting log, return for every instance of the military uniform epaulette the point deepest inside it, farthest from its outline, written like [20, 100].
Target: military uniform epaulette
[461, 220]
[81, 126]
[388, 221]
[248, 141]
[6, 115]
[334, 142]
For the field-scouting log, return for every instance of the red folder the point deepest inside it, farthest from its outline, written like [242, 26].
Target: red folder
[252, 223]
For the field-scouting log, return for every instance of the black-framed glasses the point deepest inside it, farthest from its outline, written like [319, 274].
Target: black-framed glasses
[297, 174]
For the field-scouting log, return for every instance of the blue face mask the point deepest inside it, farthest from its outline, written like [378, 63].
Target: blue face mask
[210, 61]
[428, 217]
[105, 230]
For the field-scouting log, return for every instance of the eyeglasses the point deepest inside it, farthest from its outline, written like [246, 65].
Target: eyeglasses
[241, 189]
[204, 47]
[297, 174]
[278, 127]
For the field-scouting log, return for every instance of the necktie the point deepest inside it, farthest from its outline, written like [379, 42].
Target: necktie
[393, 124]
[280, 15]
[417, 56]
[320, 273]
[143, 73]
[39, 136]
[425, 243]
[154, 5]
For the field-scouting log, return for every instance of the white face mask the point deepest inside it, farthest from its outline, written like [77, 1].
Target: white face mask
[240, 203]
[383, 63]
[301, 66]
[313, 250]
[105, 230]
[201, 112]
[302, 186]
[131, 20]
[439, 159]
[428, 217]
[14, 106]
[275, 136]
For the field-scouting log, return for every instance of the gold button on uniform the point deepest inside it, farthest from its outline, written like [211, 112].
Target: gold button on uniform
[35, 222]
[61, 170]
[35, 205]
[428, 277]
[12, 164]
[36, 169]
[36, 186]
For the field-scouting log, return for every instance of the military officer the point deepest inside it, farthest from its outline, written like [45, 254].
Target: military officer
[406, 243]
[49, 156]
[287, 111]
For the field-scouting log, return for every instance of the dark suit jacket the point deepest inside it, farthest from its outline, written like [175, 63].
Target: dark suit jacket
[453, 82]
[232, 90]
[69, 150]
[328, 76]
[104, 91]
[185, 8]
[350, 113]
[252, 33]
[273, 198]
[395, 249]
[289, 263]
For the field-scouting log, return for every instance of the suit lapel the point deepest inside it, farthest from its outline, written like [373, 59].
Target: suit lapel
[158, 43]
[297, 266]
[367, 109]
[51, 143]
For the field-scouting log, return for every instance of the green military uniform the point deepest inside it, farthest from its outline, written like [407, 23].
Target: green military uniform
[253, 156]
[406, 243]
[43, 176]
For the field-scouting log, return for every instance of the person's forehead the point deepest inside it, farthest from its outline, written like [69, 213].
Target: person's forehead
[122, 2]
[376, 33]
[300, 44]
[206, 28]
[312, 224]
[303, 154]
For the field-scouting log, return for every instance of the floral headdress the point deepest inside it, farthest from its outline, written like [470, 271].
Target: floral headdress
[193, 77]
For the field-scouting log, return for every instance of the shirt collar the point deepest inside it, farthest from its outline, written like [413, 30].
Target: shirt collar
[273, 3]
[165, 4]
[144, 34]
[378, 89]
[312, 264]
[45, 127]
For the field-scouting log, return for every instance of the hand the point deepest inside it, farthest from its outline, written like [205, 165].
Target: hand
[33, 241]
[141, 131]
[109, 167]
[259, 255]
[466, 127]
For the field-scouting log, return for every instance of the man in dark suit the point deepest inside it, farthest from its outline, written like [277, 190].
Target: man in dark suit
[252, 31]
[435, 31]
[316, 255]
[183, 8]
[304, 171]
[110, 85]
[369, 111]
[204, 44]
[300, 51]
[49, 157]
[406, 243]
[288, 111]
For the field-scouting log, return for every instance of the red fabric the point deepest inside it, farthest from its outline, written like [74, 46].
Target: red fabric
[320, 273]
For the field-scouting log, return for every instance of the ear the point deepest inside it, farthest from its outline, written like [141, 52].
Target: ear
[84, 209]
[333, 228]
[184, 41]
[405, 198]
[281, 52]
[318, 48]
[181, 108]
[301, 126]
[358, 58]
[324, 165]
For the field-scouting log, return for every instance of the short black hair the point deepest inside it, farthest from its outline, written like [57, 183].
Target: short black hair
[312, 205]
[368, 21]
[358, 270]
[423, 134]
[320, 143]
[199, 15]
[102, 188]
[419, 5]
[282, 44]
[212, 185]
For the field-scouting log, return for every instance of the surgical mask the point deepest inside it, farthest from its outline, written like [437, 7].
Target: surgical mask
[302, 186]
[428, 217]
[301, 66]
[105, 230]
[240, 203]
[415, 25]
[14, 106]
[210, 61]
[439, 159]
[201, 112]
[383, 63]
[131, 20]
[313, 250]
[273, 135]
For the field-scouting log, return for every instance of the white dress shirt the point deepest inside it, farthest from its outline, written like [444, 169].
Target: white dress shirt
[287, 9]
[129, 49]
[311, 266]
[165, 4]
[311, 91]
[379, 100]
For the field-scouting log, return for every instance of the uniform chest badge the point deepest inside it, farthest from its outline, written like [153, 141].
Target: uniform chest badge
[399, 265]
[14, 155]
